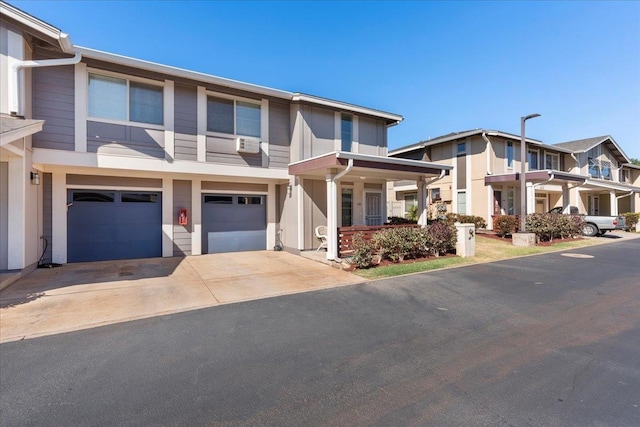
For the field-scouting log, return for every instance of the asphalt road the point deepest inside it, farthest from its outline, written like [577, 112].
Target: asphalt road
[548, 340]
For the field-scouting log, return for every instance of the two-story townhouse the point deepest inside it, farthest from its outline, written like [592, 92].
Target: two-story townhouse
[136, 159]
[485, 180]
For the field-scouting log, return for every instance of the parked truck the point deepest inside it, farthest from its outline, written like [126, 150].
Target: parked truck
[594, 225]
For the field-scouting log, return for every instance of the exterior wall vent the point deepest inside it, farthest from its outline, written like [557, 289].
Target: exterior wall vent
[247, 145]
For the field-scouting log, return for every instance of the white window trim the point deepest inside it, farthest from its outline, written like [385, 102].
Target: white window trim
[537, 151]
[128, 79]
[556, 155]
[506, 155]
[264, 115]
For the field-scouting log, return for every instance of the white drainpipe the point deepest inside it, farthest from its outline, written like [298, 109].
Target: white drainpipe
[488, 150]
[332, 222]
[15, 73]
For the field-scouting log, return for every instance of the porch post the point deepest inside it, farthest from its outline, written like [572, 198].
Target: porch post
[531, 200]
[332, 216]
[566, 201]
[422, 202]
[613, 202]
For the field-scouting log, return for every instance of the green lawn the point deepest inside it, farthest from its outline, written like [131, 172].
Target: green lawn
[487, 250]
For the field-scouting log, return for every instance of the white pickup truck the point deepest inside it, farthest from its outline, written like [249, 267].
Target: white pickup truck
[594, 225]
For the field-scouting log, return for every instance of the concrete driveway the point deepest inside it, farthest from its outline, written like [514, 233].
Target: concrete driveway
[85, 295]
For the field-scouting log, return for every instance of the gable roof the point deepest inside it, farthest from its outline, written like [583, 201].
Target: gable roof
[584, 145]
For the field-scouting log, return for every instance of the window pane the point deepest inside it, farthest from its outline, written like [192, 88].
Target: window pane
[435, 194]
[219, 200]
[462, 149]
[462, 203]
[220, 115]
[533, 160]
[139, 198]
[247, 119]
[347, 207]
[509, 154]
[145, 103]
[92, 196]
[346, 127]
[107, 97]
[247, 200]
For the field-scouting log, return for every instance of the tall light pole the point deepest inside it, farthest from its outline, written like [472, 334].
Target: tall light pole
[523, 172]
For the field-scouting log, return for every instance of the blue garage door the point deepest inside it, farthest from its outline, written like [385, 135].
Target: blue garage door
[111, 225]
[233, 223]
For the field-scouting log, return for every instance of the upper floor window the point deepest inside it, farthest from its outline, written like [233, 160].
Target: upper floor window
[509, 154]
[122, 99]
[462, 149]
[233, 116]
[533, 160]
[346, 129]
[594, 168]
[625, 176]
[552, 161]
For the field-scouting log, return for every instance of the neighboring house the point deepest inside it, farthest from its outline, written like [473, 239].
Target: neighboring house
[593, 174]
[108, 157]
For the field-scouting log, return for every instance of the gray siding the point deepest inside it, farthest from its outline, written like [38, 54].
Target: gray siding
[186, 123]
[107, 138]
[322, 125]
[181, 233]
[279, 135]
[315, 210]
[371, 136]
[4, 214]
[113, 181]
[223, 150]
[53, 101]
[47, 224]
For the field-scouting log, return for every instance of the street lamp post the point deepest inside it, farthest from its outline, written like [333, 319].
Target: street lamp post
[523, 172]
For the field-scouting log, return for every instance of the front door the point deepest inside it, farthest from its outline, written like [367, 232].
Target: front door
[373, 208]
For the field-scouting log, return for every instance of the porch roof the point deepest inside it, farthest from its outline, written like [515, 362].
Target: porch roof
[537, 176]
[13, 128]
[366, 166]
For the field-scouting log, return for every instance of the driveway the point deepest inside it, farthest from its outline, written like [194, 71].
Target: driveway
[85, 295]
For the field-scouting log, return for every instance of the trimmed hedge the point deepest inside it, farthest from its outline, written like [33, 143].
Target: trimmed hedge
[547, 226]
[504, 224]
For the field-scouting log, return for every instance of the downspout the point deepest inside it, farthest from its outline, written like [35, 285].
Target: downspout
[488, 150]
[333, 231]
[424, 195]
[16, 108]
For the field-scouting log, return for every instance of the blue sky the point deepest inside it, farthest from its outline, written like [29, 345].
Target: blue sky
[444, 66]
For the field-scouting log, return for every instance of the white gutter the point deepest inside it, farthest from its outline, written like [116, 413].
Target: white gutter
[332, 221]
[551, 178]
[625, 195]
[15, 73]
[488, 150]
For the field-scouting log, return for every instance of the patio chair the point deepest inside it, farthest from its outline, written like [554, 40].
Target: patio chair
[321, 235]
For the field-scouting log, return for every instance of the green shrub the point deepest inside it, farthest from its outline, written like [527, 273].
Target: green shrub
[398, 244]
[478, 221]
[504, 224]
[547, 226]
[397, 220]
[362, 255]
[443, 237]
[631, 219]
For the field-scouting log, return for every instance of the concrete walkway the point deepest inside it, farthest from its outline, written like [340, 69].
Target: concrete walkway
[85, 295]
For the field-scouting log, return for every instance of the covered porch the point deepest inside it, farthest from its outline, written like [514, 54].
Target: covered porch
[352, 190]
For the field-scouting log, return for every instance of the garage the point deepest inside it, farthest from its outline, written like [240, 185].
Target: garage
[233, 223]
[112, 225]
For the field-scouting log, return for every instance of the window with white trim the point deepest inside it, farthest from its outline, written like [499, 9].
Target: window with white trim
[509, 154]
[533, 160]
[552, 161]
[232, 116]
[122, 99]
[346, 130]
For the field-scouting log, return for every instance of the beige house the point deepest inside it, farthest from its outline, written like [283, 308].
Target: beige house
[593, 174]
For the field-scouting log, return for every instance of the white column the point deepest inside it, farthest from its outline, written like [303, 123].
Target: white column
[566, 197]
[59, 210]
[271, 216]
[16, 227]
[81, 88]
[490, 203]
[613, 202]
[167, 217]
[169, 119]
[202, 125]
[332, 217]
[196, 217]
[422, 202]
[531, 200]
